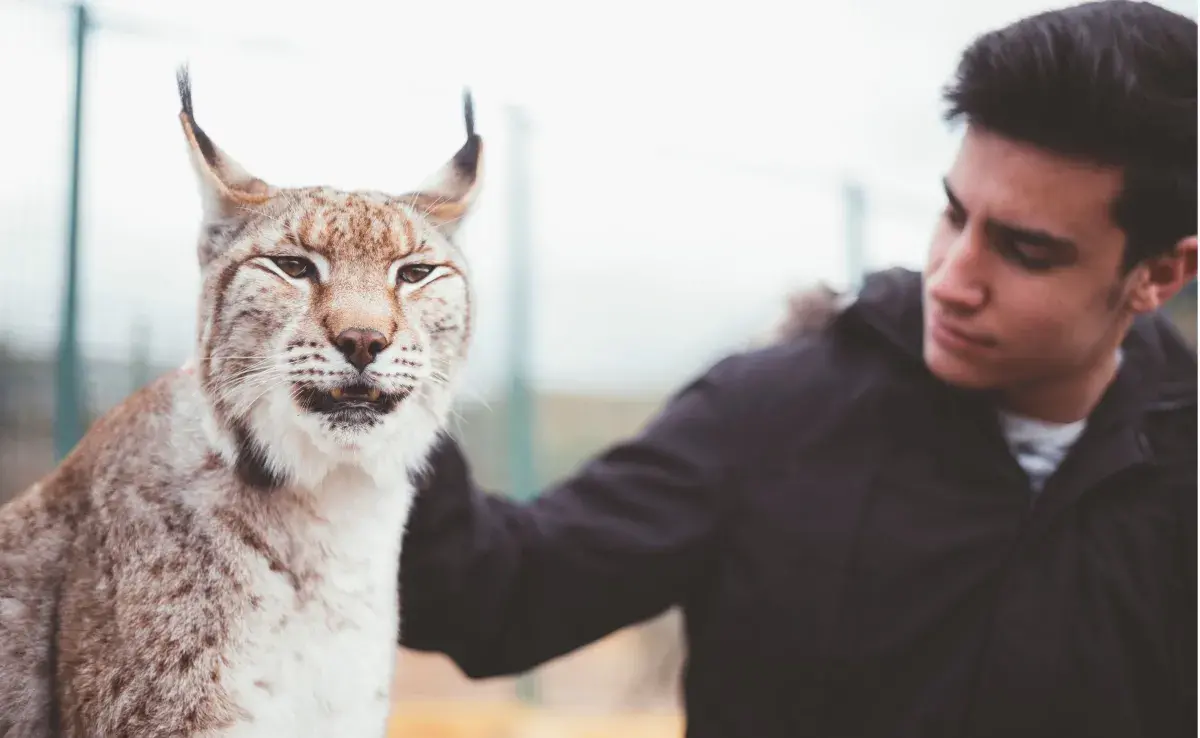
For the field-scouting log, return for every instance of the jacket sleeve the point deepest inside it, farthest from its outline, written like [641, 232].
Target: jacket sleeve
[502, 587]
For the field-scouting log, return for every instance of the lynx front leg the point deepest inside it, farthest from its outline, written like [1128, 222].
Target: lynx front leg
[26, 664]
[31, 542]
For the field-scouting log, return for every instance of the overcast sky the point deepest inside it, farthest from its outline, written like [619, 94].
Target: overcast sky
[687, 158]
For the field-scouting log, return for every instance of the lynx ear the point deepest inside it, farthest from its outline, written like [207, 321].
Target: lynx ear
[225, 187]
[448, 196]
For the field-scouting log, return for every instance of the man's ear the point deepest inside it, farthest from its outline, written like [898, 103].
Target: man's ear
[1160, 278]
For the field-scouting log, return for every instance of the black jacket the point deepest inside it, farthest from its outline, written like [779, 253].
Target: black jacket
[853, 546]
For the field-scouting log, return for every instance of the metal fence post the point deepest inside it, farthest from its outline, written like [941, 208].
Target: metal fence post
[520, 233]
[522, 477]
[70, 402]
[854, 199]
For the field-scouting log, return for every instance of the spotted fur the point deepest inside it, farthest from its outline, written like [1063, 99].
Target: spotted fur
[218, 556]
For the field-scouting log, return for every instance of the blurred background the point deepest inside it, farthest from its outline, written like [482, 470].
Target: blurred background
[658, 177]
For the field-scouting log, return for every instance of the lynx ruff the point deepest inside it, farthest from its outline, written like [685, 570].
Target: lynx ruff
[219, 555]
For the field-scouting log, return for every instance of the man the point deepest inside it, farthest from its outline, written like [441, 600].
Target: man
[965, 507]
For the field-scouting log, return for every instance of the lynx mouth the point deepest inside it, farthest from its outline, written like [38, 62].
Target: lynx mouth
[349, 402]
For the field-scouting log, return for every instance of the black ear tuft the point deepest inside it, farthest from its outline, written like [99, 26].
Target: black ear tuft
[184, 81]
[466, 160]
[469, 112]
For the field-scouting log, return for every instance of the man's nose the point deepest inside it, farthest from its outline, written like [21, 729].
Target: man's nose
[956, 283]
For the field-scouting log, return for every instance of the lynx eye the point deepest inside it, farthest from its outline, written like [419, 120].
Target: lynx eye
[295, 267]
[413, 273]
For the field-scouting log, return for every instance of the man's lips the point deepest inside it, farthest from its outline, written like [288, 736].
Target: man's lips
[955, 337]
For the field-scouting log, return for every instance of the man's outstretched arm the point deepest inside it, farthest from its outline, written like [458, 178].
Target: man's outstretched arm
[501, 587]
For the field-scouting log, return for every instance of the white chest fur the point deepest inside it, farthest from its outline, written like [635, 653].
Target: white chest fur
[315, 654]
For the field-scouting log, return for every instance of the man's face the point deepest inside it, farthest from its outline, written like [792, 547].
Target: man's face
[1023, 283]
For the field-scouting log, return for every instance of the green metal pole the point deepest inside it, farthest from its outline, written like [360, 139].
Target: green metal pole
[523, 485]
[854, 200]
[522, 478]
[69, 407]
[139, 355]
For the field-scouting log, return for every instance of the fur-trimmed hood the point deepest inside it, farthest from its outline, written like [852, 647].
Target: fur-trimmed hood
[808, 310]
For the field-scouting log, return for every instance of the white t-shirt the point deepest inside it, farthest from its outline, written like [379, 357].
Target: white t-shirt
[1039, 446]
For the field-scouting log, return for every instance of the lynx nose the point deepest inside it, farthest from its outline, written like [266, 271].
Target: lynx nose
[360, 346]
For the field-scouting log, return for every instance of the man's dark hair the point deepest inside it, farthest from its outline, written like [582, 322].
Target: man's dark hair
[1112, 83]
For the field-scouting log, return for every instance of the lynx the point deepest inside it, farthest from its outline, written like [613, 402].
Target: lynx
[219, 554]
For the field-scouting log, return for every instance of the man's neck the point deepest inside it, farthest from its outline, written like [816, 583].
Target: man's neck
[1063, 399]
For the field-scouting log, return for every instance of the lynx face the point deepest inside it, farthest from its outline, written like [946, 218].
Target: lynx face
[332, 323]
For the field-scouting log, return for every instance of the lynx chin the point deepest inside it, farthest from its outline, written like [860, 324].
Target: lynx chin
[219, 555]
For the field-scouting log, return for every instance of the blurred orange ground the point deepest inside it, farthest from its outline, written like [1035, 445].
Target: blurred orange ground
[623, 686]
[509, 720]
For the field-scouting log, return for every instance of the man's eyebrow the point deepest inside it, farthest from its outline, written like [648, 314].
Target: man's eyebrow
[954, 201]
[1031, 236]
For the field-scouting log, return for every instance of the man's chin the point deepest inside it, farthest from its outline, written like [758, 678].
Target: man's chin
[955, 370]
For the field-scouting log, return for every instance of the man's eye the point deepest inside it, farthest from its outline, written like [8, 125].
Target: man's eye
[955, 217]
[1027, 257]
[1035, 264]
[414, 273]
[295, 267]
